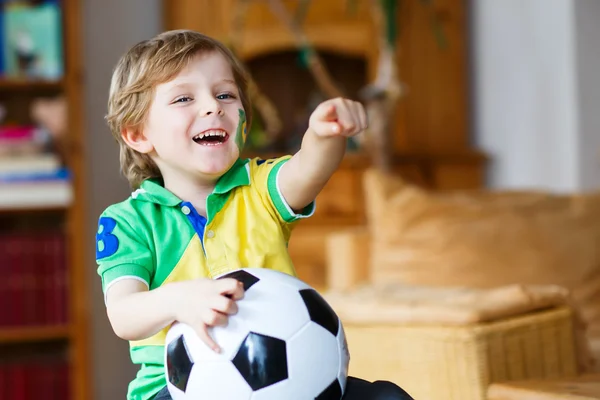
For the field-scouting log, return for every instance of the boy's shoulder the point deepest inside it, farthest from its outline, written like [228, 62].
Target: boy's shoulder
[129, 210]
[123, 207]
[256, 162]
[144, 199]
[263, 167]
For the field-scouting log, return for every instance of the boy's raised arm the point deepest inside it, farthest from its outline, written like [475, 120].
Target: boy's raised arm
[323, 146]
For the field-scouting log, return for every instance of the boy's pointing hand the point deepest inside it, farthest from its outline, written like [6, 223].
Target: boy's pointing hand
[338, 117]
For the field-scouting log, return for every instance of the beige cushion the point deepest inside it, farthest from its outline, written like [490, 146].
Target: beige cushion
[485, 239]
[409, 304]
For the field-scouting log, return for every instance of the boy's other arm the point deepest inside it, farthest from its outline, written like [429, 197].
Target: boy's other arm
[302, 178]
[136, 313]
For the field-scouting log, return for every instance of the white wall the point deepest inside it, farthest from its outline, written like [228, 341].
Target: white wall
[110, 27]
[525, 89]
[587, 28]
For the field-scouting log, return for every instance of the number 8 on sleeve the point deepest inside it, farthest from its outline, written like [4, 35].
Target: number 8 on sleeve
[107, 244]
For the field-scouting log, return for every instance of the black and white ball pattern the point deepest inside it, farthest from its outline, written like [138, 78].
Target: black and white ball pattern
[285, 342]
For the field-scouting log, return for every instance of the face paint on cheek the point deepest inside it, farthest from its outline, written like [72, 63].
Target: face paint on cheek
[242, 131]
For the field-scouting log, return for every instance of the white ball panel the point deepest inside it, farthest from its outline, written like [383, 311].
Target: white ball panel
[217, 381]
[279, 391]
[228, 338]
[266, 310]
[313, 360]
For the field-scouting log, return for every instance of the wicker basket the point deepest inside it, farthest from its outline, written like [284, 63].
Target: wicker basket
[459, 362]
[584, 387]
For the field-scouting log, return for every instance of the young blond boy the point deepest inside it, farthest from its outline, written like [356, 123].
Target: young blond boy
[180, 111]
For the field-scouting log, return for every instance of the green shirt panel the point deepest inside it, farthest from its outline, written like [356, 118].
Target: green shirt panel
[138, 241]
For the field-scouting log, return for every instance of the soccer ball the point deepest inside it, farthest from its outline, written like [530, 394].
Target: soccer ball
[285, 342]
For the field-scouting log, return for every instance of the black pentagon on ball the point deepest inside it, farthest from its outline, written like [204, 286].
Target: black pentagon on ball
[320, 311]
[261, 360]
[245, 277]
[333, 392]
[179, 363]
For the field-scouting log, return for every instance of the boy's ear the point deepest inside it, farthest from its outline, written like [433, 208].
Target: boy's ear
[135, 139]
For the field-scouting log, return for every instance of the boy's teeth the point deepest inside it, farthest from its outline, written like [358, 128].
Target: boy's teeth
[210, 133]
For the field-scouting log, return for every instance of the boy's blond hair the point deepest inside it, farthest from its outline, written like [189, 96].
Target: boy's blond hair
[139, 71]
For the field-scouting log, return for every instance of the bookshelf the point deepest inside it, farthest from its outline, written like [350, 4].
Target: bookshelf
[44, 324]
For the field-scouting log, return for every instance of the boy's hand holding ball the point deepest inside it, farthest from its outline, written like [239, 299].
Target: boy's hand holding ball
[202, 303]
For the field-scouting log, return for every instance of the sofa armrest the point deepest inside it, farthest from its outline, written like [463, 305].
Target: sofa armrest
[348, 258]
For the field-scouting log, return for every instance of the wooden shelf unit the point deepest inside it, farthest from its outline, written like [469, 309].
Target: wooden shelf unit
[4, 211]
[74, 334]
[35, 334]
[30, 85]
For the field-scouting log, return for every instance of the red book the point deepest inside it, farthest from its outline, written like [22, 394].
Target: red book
[55, 273]
[65, 392]
[37, 255]
[18, 382]
[4, 285]
[46, 264]
[48, 380]
[34, 389]
[30, 279]
[15, 244]
[63, 279]
[4, 382]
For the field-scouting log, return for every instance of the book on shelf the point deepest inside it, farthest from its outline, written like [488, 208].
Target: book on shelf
[30, 176]
[32, 40]
[41, 378]
[42, 193]
[28, 165]
[35, 279]
[34, 182]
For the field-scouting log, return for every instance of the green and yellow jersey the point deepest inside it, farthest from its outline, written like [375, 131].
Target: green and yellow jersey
[157, 238]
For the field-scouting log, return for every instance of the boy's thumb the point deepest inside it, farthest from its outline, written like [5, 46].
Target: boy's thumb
[328, 113]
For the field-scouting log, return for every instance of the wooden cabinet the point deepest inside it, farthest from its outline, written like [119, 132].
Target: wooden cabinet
[432, 142]
[328, 24]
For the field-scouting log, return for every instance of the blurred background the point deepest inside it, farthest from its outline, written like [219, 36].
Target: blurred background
[483, 157]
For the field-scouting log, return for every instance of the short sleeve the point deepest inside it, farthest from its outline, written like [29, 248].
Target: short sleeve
[122, 249]
[265, 178]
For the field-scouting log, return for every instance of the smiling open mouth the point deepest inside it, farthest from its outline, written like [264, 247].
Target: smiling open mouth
[211, 138]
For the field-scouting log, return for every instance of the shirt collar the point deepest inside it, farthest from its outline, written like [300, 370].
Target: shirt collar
[153, 191]
[238, 175]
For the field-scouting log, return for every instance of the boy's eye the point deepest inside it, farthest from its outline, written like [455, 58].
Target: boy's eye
[225, 96]
[182, 99]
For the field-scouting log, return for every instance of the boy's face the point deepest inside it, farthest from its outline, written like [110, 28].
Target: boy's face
[194, 119]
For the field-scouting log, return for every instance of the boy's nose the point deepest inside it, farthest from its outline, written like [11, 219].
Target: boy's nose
[211, 107]
[219, 112]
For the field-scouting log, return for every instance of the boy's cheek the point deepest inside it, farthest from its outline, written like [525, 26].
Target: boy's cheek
[242, 130]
